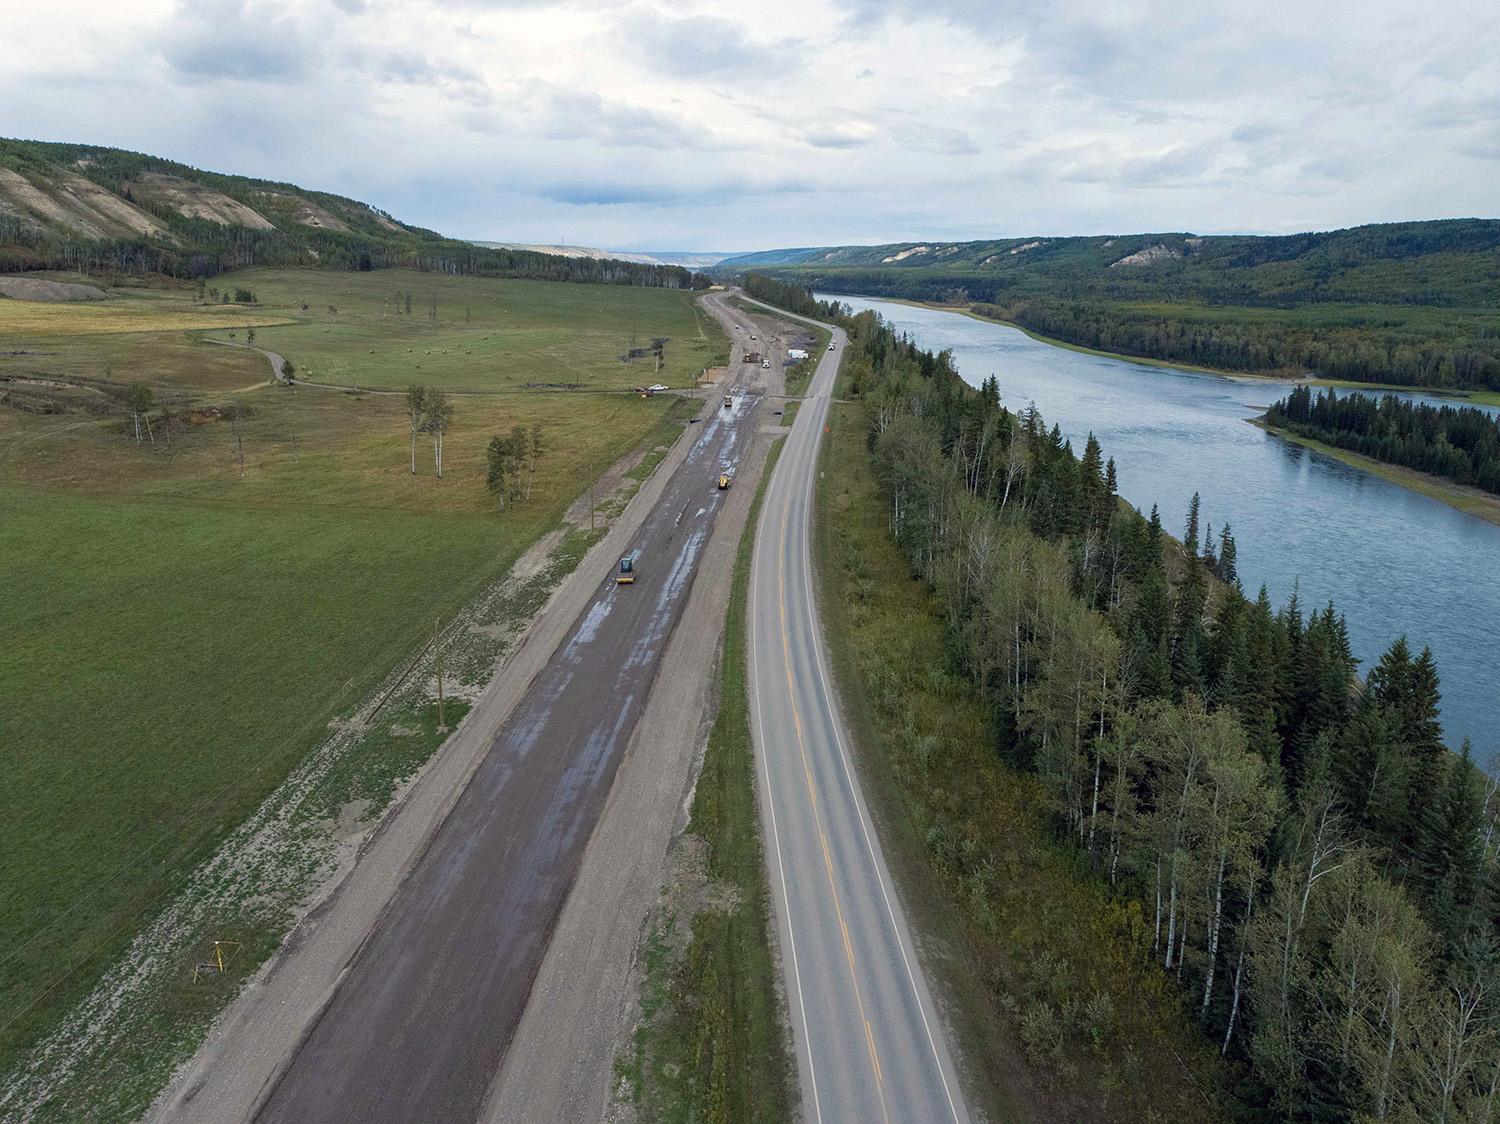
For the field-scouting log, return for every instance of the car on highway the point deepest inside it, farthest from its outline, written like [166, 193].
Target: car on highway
[830, 347]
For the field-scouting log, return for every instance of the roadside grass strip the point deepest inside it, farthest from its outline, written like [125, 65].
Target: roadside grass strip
[712, 1044]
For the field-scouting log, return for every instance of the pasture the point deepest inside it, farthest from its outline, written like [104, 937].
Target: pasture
[183, 621]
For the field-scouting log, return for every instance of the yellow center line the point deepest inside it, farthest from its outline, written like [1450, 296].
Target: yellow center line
[786, 649]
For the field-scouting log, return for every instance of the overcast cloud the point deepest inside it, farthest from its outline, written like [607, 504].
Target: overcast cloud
[640, 125]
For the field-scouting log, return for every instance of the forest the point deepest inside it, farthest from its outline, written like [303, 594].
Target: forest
[1362, 350]
[1458, 443]
[1314, 867]
[352, 235]
[1402, 303]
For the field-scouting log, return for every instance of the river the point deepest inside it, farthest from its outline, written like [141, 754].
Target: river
[1394, 562]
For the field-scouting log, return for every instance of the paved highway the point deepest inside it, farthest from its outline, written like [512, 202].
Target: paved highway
[420, 1020]
[869, 1045]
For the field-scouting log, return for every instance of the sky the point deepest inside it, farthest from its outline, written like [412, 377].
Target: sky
[711, 126]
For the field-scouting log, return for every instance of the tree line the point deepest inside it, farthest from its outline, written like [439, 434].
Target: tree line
[1354, 353]
[206, 249]
[1317, 870]
[1459, 443]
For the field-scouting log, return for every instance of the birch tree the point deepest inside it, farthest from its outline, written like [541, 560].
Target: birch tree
[437, 417]
[138, 400]
[500, 460]
[535, 447]
[1243, 808]
[416, 412]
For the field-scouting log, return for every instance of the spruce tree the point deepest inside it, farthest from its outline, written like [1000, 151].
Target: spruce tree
[1150, 637]
[1408, 689]
[1188, 636]
[1450, 857]
[1228, 568]
[1372, 767]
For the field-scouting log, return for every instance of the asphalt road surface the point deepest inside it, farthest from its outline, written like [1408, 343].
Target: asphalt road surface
[420, 1021]
[869, 1045]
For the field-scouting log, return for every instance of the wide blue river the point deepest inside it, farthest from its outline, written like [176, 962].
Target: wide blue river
[1394, 562]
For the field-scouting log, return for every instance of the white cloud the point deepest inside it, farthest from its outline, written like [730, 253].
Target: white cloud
[644, 123]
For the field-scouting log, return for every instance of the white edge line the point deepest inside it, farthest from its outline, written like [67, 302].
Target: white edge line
[859, 804]
[812, 1074]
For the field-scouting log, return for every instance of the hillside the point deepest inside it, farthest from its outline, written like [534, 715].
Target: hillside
[1403, 303]
[1447, 263]
[83, 207]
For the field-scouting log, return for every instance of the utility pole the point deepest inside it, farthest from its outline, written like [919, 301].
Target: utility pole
[442, 720]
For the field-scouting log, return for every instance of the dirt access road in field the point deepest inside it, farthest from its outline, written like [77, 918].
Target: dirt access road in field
[421, 1018]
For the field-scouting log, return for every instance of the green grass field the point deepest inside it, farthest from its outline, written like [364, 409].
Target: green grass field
[170, 662]
[488, 335]
[180, 634]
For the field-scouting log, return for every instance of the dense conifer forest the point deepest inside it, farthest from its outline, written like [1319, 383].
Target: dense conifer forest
[1317, 869]
[1358, 345]
[1460, 443]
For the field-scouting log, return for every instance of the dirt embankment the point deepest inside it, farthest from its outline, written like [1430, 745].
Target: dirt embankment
[39, 289]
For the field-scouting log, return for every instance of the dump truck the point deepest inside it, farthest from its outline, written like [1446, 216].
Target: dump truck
[626, 573]
[753, 357]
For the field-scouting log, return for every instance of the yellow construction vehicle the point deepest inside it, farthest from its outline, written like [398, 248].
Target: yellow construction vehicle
[626, 574]
[725, 479]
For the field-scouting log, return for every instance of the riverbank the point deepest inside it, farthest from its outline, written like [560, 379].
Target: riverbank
[1473, 397]
[1470, 501]
[1466, 397]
